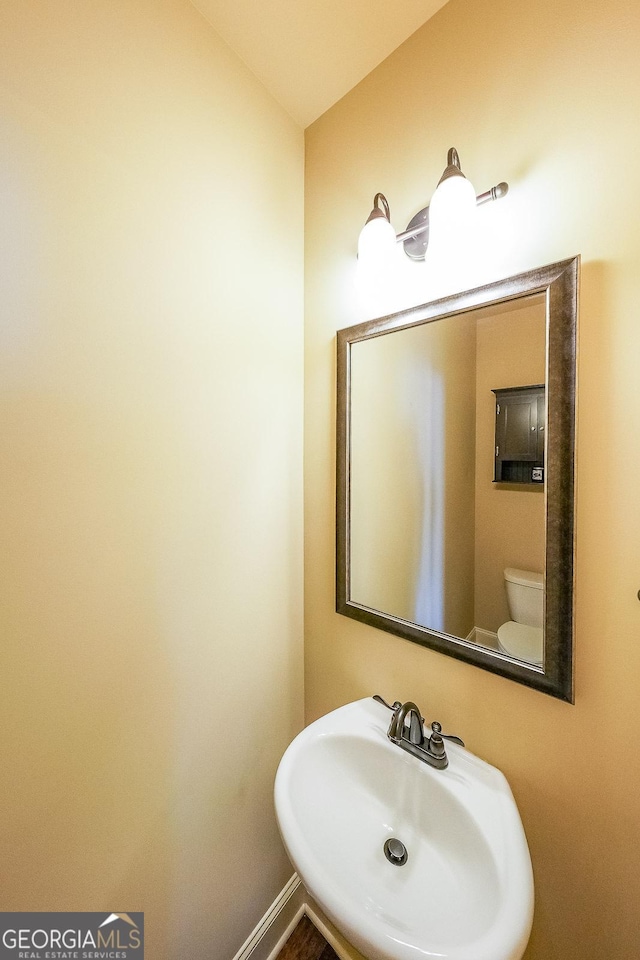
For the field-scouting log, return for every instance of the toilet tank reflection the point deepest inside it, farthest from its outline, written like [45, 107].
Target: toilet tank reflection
[522, 636]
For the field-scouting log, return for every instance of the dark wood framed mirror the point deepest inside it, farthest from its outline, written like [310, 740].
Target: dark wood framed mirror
[455, 475]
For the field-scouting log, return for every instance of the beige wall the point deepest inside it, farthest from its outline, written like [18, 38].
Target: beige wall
[509, 517]
[150, 422]
[413, 420]
[540, 95]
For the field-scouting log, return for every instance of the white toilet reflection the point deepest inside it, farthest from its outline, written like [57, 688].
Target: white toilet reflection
[522, 637]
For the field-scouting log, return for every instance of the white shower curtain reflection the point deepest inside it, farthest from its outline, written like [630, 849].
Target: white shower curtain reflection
[428, 409]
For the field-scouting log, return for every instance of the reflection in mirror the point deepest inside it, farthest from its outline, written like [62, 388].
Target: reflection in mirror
[447, 523]
[431, 532]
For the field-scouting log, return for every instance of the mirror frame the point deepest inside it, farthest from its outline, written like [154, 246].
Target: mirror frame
[559, 282]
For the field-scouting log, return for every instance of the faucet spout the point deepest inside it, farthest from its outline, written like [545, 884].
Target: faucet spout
[411, 737]
[396, 727]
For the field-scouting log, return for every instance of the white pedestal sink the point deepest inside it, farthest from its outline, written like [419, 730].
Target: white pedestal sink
[466, 889]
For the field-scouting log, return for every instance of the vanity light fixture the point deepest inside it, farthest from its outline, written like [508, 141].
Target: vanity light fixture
[377, 238]
[452, 189]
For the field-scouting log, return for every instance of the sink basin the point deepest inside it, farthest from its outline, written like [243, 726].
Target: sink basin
[466, 890]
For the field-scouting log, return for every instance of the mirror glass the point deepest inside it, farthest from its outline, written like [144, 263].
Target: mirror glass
[431, 530]
[455, 474]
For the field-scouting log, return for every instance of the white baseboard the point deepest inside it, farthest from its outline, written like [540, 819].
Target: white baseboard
[486, 638]
[278, 923]
[272, 932]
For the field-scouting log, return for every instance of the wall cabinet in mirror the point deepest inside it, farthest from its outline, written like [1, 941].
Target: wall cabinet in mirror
[429, 546]
[520, 419]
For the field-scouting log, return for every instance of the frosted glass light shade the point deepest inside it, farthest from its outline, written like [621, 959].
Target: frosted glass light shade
[377, 271]
[452, 210]
[452, 237]
[376, 243]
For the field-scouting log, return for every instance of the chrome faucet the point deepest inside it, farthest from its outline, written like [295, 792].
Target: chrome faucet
[410, 735]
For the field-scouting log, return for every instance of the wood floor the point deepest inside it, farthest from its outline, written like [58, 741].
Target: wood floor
[307, 943]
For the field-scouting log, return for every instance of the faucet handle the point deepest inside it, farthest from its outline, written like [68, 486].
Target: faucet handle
[396, 704]
[436, 730]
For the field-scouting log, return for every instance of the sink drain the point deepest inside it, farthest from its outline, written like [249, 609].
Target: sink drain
[395, 851]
